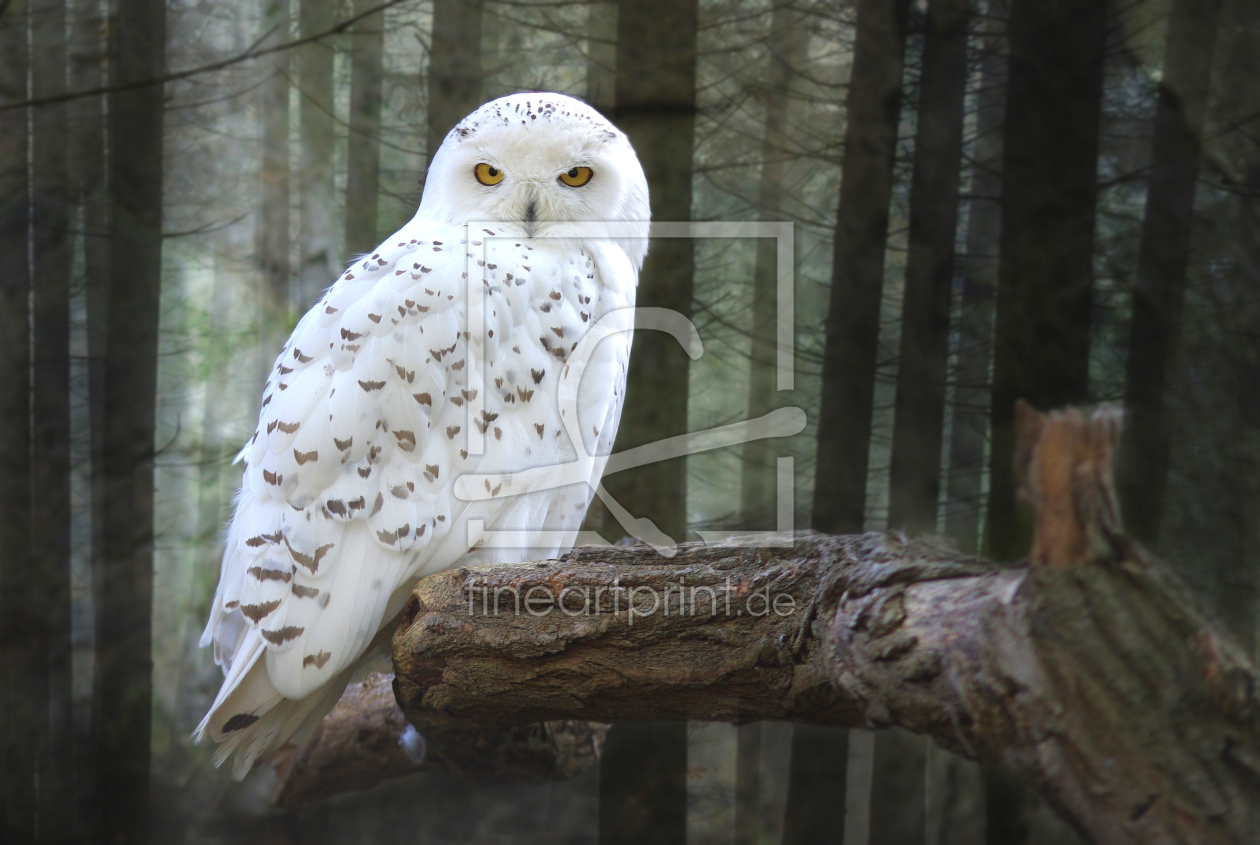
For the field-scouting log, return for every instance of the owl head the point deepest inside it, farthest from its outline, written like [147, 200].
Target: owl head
[536, 159]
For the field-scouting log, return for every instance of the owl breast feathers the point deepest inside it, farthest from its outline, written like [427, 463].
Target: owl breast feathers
[445, 352]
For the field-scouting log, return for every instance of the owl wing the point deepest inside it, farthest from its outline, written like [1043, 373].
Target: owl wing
[364, 426]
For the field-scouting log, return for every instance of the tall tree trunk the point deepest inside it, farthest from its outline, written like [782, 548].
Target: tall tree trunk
[817, 785]
[18, 812]
[601, 91]
[125, 574]
[212, 458]
[601, 55]
[898, 798]
[86, 137]
[1049, 192]
[1045, 276]
[857, 277]
[363, 163]
[50, 397]
[455, 72]
[1163, 255]
[787, 43]
[271, 235]
[318, 257]
[643, 784]
[898, 779]
[643, 772]
[656, 102]
[969, 422]
[1228, 573]
[920, 408]
[954, 802]
[748, 784]
[210, 497]
[852, 334]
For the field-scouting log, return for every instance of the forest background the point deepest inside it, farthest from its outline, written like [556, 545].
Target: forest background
[1055, 200]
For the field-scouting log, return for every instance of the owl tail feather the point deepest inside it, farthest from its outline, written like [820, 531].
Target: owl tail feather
[251, 719]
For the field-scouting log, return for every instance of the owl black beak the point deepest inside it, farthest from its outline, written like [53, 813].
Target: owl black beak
[531, 215]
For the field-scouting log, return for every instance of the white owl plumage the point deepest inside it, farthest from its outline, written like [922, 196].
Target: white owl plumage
[348, 494]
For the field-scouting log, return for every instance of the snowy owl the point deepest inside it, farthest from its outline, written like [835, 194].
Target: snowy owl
[446, 352]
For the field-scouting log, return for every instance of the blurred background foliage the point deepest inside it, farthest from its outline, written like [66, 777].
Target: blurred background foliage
[1053, 199]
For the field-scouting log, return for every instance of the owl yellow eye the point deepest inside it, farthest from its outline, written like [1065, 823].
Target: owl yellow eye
[577, 177]
[487, 174]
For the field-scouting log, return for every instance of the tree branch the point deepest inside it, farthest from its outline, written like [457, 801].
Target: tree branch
[1086, 671]
[249, 54]
[366, 739]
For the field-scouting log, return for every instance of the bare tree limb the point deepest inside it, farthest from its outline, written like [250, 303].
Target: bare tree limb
[249, 54]
[363, 741]
[366, 739]
[1087, 671]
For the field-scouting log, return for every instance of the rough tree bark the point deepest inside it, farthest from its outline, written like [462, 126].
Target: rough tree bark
[1085, 670]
